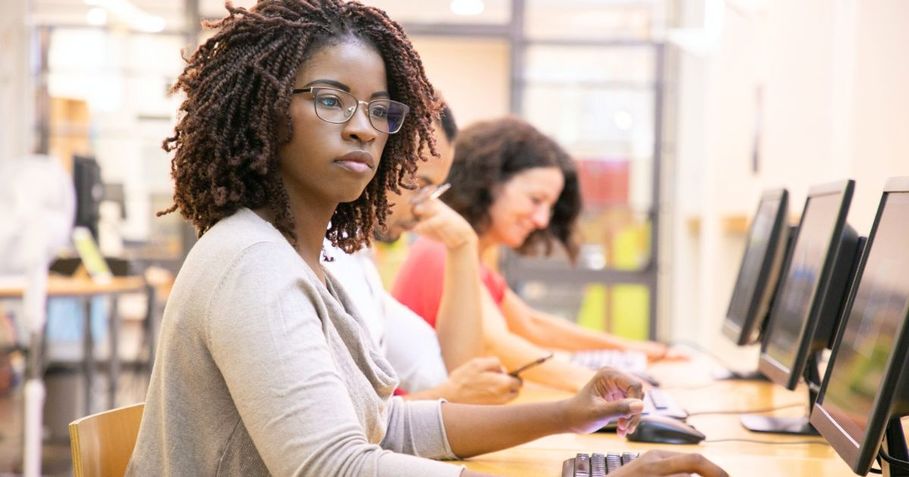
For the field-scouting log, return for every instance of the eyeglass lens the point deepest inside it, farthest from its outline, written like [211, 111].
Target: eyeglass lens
[337, 106]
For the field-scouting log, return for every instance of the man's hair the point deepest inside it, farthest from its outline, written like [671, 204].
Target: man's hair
[488, 154]
[447, 121]
[235, 117]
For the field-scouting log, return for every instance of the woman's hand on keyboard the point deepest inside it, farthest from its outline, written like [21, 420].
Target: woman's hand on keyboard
[609, 395]
[660, 463]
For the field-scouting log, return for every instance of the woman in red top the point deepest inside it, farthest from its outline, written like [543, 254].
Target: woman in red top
[518, 189]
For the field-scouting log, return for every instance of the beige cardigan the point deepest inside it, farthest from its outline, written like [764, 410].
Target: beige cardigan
[260, 370]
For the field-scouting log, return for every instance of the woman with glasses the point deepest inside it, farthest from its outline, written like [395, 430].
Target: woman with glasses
[299, 117]
[519, 189]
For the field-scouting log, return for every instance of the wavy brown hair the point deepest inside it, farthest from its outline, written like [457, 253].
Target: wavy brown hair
[488, 154]
[235, 117]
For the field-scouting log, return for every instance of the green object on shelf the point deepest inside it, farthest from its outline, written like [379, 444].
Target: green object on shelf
[592, 313]
[630, 311]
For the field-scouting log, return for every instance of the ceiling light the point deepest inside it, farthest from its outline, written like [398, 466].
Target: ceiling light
[130, 14]
[96, 17]
[467, 7]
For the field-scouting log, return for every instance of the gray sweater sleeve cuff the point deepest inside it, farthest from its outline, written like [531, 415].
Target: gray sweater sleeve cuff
[416, 428]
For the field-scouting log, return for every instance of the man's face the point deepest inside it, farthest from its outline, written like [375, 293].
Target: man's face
[430, 173]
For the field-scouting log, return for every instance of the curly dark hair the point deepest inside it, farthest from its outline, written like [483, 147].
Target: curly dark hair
[488, 154]
[235, 117]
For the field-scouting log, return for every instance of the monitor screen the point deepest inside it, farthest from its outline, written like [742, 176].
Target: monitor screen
[805, 295]
[855, 384]
[759, 269]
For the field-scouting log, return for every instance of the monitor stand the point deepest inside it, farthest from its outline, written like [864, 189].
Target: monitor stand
[789, 425]
[778, 425]
[894, 444]
[731, 375]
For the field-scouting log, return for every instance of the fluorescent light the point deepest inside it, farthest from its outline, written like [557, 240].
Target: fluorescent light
[130, 14]
[467, 7]
[96, 16]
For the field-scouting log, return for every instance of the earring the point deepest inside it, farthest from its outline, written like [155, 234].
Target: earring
[326, 257]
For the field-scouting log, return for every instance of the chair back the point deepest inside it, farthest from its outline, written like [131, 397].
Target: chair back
[103, 443]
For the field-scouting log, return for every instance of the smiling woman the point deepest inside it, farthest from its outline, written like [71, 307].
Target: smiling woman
[518, 189]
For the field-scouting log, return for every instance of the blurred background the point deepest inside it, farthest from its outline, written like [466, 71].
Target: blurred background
[678, 113]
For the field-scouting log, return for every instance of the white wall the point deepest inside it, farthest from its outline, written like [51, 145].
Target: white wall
[454, 65]
[16, 91]
[880, 130]
[835, 105]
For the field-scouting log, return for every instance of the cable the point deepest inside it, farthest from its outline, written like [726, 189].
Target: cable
[755, 441]
[692, 387]
[747, 411]
[892, 460]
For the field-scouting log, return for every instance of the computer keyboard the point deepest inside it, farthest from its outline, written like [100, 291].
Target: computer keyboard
[660, 402]
[630, 361]
[596, 465]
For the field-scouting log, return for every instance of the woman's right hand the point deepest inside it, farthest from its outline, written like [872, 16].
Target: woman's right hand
[481, 381]
[441, 223]
[659, 463]
[611, 394]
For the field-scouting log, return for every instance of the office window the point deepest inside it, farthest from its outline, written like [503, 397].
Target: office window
[591, 19]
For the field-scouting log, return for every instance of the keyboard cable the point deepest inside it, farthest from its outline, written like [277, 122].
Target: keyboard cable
[773, 443]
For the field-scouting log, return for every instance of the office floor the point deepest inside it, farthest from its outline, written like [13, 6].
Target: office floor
[63, 391]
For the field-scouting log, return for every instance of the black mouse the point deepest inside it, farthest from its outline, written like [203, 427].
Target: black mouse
[665, 430]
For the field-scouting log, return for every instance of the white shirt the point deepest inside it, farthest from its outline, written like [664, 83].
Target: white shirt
[409, 343]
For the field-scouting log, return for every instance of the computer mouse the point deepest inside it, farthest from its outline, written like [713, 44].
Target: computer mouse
[665, 430]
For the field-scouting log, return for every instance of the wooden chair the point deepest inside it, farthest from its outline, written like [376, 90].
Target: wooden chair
[103, 443]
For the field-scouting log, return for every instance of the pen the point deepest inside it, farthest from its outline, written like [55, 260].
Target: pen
[435, 194]
[440, 190]
[531, 364]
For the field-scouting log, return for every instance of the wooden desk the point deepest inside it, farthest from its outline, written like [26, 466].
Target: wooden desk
[58, 286]
[544, 457]
[83, 287]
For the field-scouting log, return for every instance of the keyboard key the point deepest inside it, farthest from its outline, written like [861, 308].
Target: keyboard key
[568, 468]
[597, 465]
[627, 457]
[582, 465]
[659, 399]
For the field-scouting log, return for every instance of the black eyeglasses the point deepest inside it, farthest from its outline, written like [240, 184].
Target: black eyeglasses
[337, 107]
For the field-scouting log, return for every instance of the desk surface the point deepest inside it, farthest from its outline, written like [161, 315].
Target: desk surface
[69, 286]
[785, 457]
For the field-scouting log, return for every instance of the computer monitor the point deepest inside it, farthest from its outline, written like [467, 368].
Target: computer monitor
[865, 388]
[759, 270]
[809, 299]
[89, 192]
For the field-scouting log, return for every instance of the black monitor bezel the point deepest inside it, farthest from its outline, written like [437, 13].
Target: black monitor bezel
[770, 367]
[859, 456]
[743, 334]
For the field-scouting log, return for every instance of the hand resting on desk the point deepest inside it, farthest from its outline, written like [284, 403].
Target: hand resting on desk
[480, 381]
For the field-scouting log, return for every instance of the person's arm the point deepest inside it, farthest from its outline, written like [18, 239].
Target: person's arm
[551, 331]
[479, 381]
[515, 351]
[474, 430]
[458, 321]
